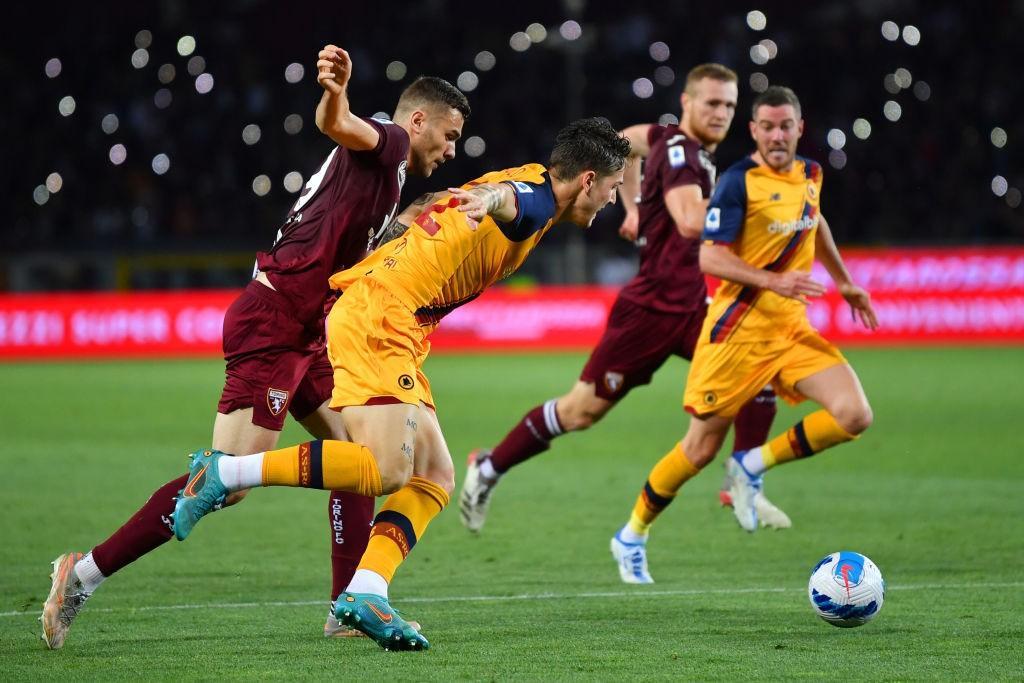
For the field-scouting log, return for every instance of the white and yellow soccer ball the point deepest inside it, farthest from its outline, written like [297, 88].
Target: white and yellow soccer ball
[846, 589]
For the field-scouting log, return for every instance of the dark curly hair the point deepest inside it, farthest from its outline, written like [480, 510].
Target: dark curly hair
[588, 145]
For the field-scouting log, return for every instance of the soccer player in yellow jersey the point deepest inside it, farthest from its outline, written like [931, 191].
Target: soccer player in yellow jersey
[467, 240]
[762, 231]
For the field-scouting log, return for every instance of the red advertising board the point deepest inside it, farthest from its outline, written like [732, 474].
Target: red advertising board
[963, 296]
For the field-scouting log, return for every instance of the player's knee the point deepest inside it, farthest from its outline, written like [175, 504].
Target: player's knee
[855, 419]
[701, 456]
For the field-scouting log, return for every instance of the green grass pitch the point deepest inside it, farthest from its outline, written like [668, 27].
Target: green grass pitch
[932, 493]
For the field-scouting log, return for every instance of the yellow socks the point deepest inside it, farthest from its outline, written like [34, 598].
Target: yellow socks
[813, 434]
[400, 523]
[660, 488]
[328, 465]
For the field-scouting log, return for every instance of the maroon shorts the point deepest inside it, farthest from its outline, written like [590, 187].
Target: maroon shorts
[275, 364]
[636, 342]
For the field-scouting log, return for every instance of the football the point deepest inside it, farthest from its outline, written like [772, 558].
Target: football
[846, 589]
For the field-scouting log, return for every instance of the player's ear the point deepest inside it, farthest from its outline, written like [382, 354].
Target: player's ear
[587, 180]
[800, 127]
[753, 129]
[418, 120]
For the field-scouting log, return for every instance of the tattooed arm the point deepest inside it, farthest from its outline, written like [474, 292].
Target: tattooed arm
[497, 200]
[400, 223]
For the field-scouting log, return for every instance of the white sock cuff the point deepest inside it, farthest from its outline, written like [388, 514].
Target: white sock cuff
[88, 572]
[367, 581]
[241, 471]
[551, 417]
[630, 537]
[487, 470]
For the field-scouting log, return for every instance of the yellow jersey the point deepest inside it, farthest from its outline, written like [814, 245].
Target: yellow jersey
[441, 263]
[769, 220]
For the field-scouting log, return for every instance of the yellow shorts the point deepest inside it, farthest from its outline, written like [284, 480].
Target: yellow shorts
[376, 348]
[724, 376]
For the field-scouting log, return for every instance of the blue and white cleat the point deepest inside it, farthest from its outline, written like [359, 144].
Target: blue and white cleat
[769, 515]
[743, 489]
[373, 615]
[632, 561]
[204, 492]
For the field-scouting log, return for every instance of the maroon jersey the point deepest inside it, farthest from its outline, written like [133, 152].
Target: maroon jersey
[332, 226]
[669, 279]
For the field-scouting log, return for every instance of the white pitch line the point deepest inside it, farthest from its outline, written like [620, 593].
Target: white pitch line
[638, 593]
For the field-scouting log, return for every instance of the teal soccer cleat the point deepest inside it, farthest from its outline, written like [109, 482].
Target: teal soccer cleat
[204, 492]
[374, 616]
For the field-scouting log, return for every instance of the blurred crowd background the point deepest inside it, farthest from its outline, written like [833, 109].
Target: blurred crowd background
[152, 145]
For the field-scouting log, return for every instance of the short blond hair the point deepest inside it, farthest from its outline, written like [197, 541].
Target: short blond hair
[716, 72]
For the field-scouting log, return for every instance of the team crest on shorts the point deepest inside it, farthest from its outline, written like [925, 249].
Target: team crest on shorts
[613, 381]
[406, 382]
[277, 399]
[710, 398]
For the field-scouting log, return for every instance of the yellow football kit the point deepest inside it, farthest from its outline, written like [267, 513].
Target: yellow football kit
[393, 299]
[752, 337]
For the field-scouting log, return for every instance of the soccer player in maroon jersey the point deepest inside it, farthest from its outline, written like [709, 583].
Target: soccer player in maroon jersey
[274, 344]
[660, 311]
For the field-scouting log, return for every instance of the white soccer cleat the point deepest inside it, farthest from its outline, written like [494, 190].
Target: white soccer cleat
[743, 489]
[475, 497]
[65, 601]
[632, 561]
[768, 515]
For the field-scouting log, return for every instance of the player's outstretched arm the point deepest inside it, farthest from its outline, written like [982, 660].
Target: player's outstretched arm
[496, 200]
[826, 251]
[334, 118]
[719, 260]
[629, 191]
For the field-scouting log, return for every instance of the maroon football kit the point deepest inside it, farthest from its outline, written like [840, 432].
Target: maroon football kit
[274, 342]
[660, 311]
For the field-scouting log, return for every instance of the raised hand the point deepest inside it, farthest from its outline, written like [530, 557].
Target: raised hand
[333, 69]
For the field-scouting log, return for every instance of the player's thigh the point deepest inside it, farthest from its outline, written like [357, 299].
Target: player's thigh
[433, 457]
[234, 433]
[389, 431]
[324, 423]
[838, 390]
[311, 406]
